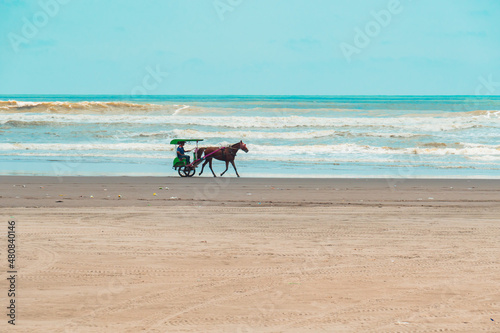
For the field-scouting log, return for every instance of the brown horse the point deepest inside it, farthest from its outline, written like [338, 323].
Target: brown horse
[226, 154]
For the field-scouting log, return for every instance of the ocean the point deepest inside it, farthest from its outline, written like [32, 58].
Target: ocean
[287, 136]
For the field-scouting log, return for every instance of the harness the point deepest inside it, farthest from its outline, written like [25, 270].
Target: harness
[232, 150]
[204, 157]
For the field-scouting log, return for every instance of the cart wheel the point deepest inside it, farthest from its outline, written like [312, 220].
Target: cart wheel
[191, 171]
[186, 171]
[182, 172]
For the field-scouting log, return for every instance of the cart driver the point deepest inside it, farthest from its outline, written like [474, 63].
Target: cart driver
[181, 153]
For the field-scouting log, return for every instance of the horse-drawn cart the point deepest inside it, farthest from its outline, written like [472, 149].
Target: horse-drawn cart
[226, 154]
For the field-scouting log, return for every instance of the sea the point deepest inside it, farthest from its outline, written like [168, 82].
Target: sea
[287, 136]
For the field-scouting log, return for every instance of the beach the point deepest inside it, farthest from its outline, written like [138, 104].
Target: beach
[368, 146]
[163, 254]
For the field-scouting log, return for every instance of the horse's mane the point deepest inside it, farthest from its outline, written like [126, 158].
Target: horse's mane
[230, 145]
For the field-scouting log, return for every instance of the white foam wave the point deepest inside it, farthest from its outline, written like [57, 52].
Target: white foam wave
[351, 148]
[86, 146]
[308, 151]
[270, 135]
[401, 123]
[486, 158]
[64, 156]
[176, 112]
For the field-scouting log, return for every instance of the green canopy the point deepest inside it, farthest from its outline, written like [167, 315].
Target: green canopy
[176, 141]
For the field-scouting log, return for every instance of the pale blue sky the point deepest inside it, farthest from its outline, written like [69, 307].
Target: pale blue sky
[254, 47]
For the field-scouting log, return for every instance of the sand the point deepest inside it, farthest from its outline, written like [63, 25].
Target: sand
[253, 255]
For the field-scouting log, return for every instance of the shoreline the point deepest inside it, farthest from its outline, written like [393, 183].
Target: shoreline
[39, 191]
[260, 177]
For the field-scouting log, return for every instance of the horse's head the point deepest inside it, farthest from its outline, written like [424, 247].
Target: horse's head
[243, 147]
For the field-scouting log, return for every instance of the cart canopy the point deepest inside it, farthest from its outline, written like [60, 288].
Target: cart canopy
[176, 141]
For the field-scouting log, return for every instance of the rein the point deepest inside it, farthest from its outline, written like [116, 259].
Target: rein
[229, 147]
[202, 158]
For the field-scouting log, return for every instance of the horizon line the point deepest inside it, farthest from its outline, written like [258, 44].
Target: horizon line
[251, 95]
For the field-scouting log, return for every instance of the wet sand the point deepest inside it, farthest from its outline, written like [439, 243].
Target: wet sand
[173, 191]
[253, 255]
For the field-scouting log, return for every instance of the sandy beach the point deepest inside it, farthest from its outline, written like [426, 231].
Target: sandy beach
[125, 254]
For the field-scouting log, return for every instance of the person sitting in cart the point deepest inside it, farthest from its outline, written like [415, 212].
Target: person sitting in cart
[181, 153]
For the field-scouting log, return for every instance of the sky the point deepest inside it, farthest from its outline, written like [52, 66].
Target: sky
[249, 47]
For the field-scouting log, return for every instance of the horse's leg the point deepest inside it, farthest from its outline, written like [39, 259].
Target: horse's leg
[234, 166]
[227, 166]
[210, 165]
[203, 167]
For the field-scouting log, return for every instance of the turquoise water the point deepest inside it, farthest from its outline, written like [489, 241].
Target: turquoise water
[288, 136]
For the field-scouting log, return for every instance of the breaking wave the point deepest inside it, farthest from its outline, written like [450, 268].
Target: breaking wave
[75, 107]
[311, 134]
[403, 123]
[485, 113]
[347, 148]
